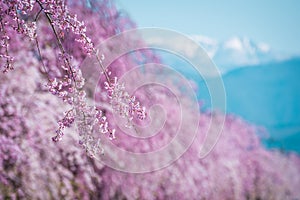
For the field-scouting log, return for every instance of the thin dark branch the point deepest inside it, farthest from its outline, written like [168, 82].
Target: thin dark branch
[38, 14]
[38, 47]
[67, 62]
[41, 58]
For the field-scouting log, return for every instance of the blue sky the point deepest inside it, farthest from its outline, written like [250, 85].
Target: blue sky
[276, 22]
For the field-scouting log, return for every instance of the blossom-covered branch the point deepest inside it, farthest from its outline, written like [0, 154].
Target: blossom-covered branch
[22, 17]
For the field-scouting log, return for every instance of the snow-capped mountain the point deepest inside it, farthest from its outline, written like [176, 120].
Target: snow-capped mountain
[262, 86]
[237, 52]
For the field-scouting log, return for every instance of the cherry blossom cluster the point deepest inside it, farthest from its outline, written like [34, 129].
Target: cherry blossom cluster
[63, 20]
[4, 45]
[66, 122]
[122, 103]
[61, 88]
[89, 126]
[79, 29]
[89, 119]
[22, 17]
[10, 18]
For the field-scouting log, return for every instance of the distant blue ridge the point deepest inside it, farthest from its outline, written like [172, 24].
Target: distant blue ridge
[267, 95]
